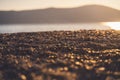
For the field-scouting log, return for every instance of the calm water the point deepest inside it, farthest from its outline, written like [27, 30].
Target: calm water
[13, 28]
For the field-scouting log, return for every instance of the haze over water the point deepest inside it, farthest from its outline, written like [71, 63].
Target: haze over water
[13, 28]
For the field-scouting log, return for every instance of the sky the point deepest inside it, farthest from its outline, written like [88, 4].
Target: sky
[41, 4]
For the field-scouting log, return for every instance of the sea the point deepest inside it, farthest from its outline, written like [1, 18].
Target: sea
[17, 28]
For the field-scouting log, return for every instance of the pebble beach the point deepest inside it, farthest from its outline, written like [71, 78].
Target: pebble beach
[60, 55]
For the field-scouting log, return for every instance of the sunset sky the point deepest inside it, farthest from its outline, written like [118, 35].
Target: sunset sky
[38, 4]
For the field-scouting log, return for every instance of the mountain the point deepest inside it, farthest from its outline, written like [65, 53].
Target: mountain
[89, 13]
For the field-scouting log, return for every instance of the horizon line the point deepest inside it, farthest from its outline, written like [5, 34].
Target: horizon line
[61, 8]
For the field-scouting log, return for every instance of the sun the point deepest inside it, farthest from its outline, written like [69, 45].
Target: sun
[113, 25]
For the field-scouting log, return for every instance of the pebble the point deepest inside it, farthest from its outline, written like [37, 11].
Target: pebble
[93, 61]
[88, 67]
[66, 68]
[23, 77]
[100, 69]
[109, 78]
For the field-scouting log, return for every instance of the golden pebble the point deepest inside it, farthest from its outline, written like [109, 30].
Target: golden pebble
[101, 68]
[77, 63]
[23, 77]
[88, 67]
[93, 61]
[50, 70]
[71, 57]
[66, 68]
[78, 57]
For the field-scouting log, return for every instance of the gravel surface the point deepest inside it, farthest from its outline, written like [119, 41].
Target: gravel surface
[60, 55]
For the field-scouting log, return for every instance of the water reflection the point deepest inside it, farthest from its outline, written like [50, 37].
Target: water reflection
[50, 27]
[113, 25]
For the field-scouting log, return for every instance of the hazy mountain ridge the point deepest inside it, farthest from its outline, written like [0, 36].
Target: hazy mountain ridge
[90, 13]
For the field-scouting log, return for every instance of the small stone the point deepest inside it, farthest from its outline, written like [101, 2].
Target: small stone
[50, 70]
[61, 69]
[16, 61]
[117, 73]
[72, 57]
[93, 61]
[66, 68]
[79, 64]
[32, 49]
[88, 67]
[100, 69]
[109, 78]
[78, 57]
[23, 77]
[29, 65]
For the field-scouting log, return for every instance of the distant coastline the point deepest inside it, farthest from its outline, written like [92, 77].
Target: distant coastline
[90, 13]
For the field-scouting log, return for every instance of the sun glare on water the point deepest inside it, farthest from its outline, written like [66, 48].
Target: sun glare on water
[113, 25]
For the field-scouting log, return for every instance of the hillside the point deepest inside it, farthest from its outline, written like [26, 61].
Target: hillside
[89, 13]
